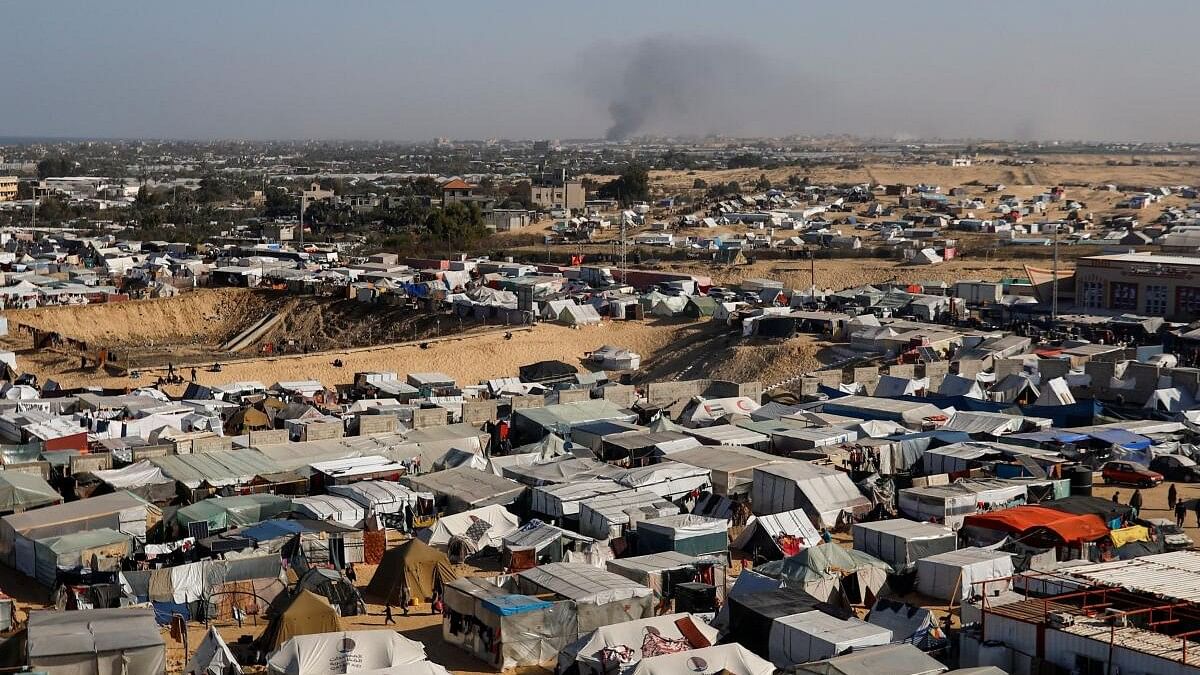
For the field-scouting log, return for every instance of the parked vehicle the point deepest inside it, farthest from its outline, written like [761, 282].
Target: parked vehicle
[1128, 473]
[1177, 468]
[1173, 536]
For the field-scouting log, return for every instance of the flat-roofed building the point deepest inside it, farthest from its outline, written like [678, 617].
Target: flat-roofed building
[1140, 283]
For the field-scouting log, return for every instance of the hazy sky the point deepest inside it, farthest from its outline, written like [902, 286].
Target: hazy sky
[402, 70]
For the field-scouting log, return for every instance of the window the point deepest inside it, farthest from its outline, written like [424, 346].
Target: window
[1087, 666]
[1124, 296]
[1156, 300]
[1093, 294]
[1187, 300]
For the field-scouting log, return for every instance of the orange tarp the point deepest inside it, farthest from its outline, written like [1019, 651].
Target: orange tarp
[1021, 519]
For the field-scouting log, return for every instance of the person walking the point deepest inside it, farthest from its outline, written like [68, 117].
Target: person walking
[1180, 512]
[1117, 497]
[1172, 497]
[1136, 502]
[387, 615]
[350, 574]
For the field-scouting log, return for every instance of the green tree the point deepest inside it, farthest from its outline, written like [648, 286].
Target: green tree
[52, 167]
[699, 184]
[633, 185]
[763, 183]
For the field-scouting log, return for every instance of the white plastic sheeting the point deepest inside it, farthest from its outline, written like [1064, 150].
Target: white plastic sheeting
[951, 576]
[501, 521]
[669, 480]
[348, 652]
[379, 496]
[212, 657]
[810, 636]
[582, 583]
[140, 473]
[824, 494]
[625, 640]
[901, 543]
[341, 510]
[733, 659]
[763, 529]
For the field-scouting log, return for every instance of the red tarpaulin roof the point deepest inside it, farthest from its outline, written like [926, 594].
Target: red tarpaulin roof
[1021, 519]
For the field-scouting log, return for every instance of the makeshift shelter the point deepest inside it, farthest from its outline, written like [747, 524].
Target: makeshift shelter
[951, 576]
[547, 372]
[345, 652]
[95, 642]
[890, 386]
[776, 536]
[600, 597]
[730, 659]
[901, 543]
[949, 504]
[1024, 521]
[957, 385]
[828, 496]
[832, 574]
[463, 488]
[221, 513]
[663, 572]
[684, 533]
[412, 570]
[538, 543]
[908, 623]
[120, 511]
[143, 479]
[669, 480]
[579, 315]
[609, 516]
[20, 491]
[1055, 392]
[382, 497]
[334, 587]
[503, 628]
[701, 412]
[895, 659]
[561, 500]
[340, 510]
[731, 468]
[472, 531]
[212, 657]
[306, 613]
[625, 644]
[1169, 400]
[75, 550]
[752, 613]
[810, 636]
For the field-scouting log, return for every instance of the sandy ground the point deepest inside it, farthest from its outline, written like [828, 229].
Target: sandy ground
[845, 273]
[468, 360]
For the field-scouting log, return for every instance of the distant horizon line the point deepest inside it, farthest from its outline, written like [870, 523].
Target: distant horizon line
[36, 139]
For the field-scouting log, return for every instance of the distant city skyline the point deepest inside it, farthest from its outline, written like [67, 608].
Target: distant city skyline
[375, 70]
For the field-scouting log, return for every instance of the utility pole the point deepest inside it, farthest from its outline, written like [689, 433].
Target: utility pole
[303, 203]
[1054, 287]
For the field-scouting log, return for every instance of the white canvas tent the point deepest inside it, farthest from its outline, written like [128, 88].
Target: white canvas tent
[499, 522]
[213, 657]
[957, 385]
[901, 543]
[725, 659]
[88, 641]
[951, 576]
[828, 496]
[890, 385]
[345, 652]
[669, 480]
[810, 636]
[895, 659]
[340, 510]
[1170, 400]
[579, 315]
[774, 536]
[1055, 392]
[379, 496]
[608, 515]
[622, 642]
[703, 412]
[927, 256]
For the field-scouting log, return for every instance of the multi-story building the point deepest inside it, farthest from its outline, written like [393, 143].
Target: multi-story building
[558, 194]
[1140, 283]
[8, 188]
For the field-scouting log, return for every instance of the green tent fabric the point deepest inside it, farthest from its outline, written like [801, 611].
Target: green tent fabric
[414, 565]
[823, 571]
[223, 513]
[20, 491]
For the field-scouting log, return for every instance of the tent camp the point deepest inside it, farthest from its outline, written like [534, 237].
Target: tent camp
[411, 570]
[212, 657]
[334, 587]
[471, 531]
[20, 491]
[810, 636]
[661, 572]
[463, 488]
[751, 613]
[827, 495]
[341, 510]
[600, 597]
[776, 536]
[305, 614]
[503, 628]
[951, 576]
[724, 659]
[380, 496]
[345, 652]
[957, 385]
[823, 571]
[610, 515]
[119, 511]
[75, 550]
[623, 643]
[901, 543]
[143, 479]
[731, 467]
[907, 622]
[94, 641]
[537, 542]
[221, 513]
[578, 315]
[669, 480]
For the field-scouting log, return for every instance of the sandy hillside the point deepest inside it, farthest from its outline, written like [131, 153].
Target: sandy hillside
[845, 273]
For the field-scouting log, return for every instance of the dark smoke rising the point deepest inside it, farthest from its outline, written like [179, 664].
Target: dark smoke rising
[670, 85]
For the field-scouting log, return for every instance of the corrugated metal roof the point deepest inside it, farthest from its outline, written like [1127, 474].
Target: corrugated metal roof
[1174, 575]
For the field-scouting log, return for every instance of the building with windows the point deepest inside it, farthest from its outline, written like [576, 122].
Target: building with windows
[558, 194]
[8, 188]
[1140, 283]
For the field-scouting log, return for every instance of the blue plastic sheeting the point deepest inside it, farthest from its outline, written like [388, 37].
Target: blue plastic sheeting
[273, 529]
[508, 605]
[1121, 437]
[1051, 435]
[163, 611]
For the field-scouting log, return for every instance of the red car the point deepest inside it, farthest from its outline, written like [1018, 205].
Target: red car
[1128, 473]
